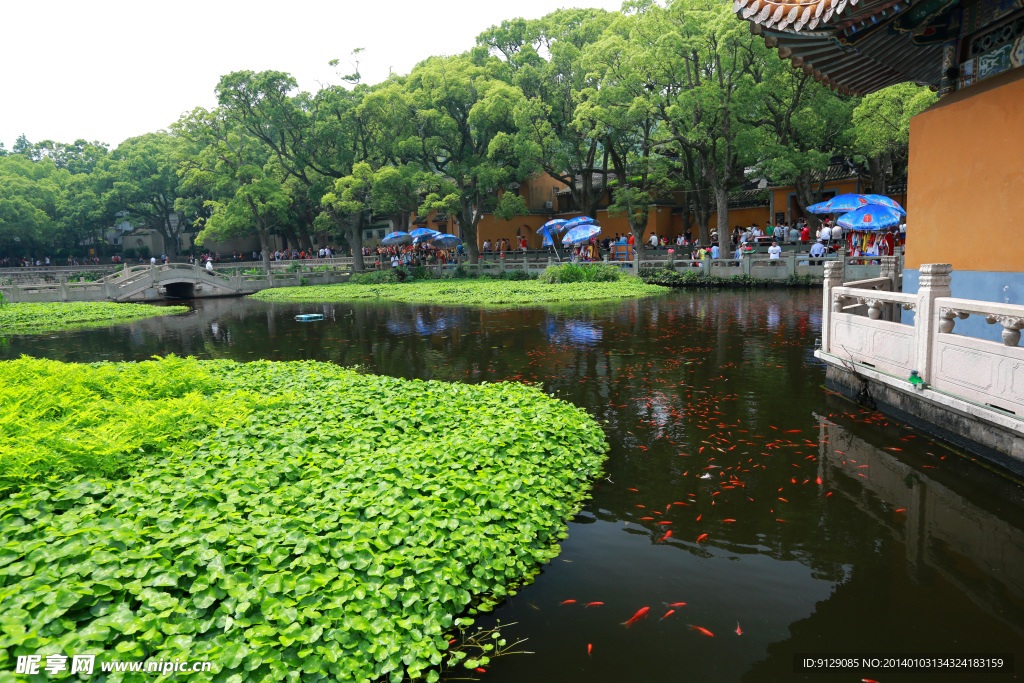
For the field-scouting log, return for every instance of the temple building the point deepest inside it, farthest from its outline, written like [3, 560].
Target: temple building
[965, 188]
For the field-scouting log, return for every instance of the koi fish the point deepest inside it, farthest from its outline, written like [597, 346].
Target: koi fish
[739, 631]
[728, 520]
[703, 630]
[699, 516]
[818, 480]
[668, 614]
[451, 641]
[643, 518]
[675, 604]
[701, 537]
[667, 535]
[590, 648]
[591, 604]
[783, 500]
[632, 489]
[665, 522]
[567, 602]
[480, 671]
[641, 613]
[678, 503]
[900, 510]
[828, 494]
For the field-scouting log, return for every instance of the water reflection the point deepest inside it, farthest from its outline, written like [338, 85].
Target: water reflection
[718, 424]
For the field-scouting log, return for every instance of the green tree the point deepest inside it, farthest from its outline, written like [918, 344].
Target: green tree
[546, 134]
[246, 191]
[147, 185]
[802, 126]
[463, 124]
[881, 129]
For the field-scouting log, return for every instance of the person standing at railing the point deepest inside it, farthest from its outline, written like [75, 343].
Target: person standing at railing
[774, 251]
[209, 266]
[818, 250]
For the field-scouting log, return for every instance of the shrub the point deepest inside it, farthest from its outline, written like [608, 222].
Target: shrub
[695, 277]
[335, 529]
[377, 277]
[581, 272]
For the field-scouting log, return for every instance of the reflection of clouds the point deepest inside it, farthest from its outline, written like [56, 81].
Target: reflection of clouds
[773, 317]
[422, 323]
[560, 331]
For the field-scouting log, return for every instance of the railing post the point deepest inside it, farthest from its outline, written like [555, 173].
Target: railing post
[747, 260]
[888, 271]
[934, 283]
[63, 289]
[833, 278]
[791, 263]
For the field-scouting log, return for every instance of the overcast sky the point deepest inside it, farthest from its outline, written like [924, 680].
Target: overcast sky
[108, 70]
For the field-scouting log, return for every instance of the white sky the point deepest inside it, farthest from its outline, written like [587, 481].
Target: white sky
[108, 70]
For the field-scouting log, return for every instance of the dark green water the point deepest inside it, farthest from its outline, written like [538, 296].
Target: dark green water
[905, 546]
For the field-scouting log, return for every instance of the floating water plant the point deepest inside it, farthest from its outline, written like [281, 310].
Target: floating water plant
[468, 292]
[42, 317]
[283, 521]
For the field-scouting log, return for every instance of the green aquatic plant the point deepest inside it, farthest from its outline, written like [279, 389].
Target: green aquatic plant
[340, 527]
[42, 317]
[483, 291]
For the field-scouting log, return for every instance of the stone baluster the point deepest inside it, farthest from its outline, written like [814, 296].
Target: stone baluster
[833, 278]
[934, 283]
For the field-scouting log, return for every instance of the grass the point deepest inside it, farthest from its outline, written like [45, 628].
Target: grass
[45, 317]
[283, 521]
[468, 292]
[693, 279]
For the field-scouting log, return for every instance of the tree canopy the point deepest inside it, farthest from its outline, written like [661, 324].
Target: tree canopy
[660, 102]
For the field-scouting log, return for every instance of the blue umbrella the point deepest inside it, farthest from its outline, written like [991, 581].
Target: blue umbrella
[579, 220]
[581, 233]
[397, 237]
[555, 225]
[423, 236]
[870, 217]
[818, 208]
[445, 241]
[885, 201]
[845, 202]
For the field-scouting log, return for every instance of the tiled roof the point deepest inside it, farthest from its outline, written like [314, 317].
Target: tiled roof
[849, 47]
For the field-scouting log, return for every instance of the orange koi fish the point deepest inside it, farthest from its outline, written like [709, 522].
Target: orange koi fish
[668, 534]
[668, 614]
[641, 613]
[591, 604]
[676, 604]
[703, 630]
[701, 537]
[590, 648]
[567, 602]
[739, 631]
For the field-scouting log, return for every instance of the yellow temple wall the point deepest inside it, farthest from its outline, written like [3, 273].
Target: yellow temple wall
[966, 178]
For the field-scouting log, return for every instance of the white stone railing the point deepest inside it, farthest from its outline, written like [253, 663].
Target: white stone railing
[857, 326]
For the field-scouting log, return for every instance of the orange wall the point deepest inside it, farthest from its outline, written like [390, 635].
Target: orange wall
[966, 177]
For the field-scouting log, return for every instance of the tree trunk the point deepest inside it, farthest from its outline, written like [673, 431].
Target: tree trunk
[265, 245]
[722, 206]
[468, 224]
[305, 243]
[355, 240]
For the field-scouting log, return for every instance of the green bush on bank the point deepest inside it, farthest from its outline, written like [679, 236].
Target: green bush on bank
[42, 317]
[483, 291]
[666, 277]
[581, 272]
[335, 530]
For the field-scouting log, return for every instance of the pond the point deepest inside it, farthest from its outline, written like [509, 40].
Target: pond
[829, 528]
